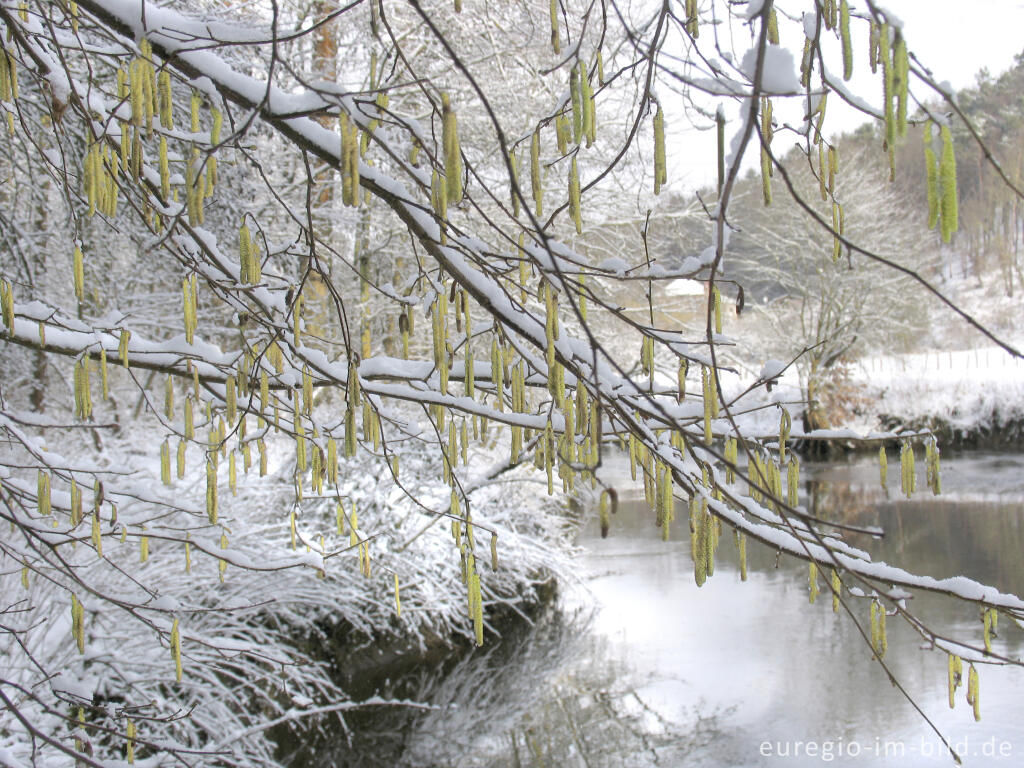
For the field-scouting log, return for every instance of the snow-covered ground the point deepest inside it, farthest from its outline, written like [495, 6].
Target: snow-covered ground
[965, 393]
[980, 389]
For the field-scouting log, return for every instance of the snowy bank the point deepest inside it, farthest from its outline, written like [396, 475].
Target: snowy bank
[970, 398]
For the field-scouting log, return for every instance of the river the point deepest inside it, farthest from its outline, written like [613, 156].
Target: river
[636, 666]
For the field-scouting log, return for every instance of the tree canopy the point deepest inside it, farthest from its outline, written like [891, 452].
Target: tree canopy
[288, 288]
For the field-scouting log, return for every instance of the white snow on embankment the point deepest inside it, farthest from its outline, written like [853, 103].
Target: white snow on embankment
[980, 389]
[974, 392]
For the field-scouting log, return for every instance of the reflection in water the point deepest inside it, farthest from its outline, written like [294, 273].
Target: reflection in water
[553, 694]
[658, 672]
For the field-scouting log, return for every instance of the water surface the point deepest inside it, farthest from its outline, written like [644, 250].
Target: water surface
[639, 667]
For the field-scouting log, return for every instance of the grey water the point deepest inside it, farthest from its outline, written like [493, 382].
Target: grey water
[637, 666]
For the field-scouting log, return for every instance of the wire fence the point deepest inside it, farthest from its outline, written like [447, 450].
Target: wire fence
[941, 360]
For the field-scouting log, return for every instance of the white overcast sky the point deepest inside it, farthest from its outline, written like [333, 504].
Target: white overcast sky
[953, 38]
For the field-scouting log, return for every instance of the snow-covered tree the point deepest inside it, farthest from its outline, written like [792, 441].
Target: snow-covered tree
[820, 306]
[285, 286]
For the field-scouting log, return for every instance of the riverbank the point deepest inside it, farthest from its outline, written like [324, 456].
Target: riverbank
[636, 665]
[969, 398]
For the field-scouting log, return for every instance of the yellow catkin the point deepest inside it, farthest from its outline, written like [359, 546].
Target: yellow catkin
[7, 301]
[986, 620]
[186, 303]
[563, 134]
[875, 642]
[576, 102]
[122, 346]
[78, 273]
[766, 162]
[190, 429]
[166, 103]
[882, 630]
[681, 371]
[907, 472]
[297, 321]
[176, 649]
[478, 613]
[879, 641]
[709, 536]
[76, 504]
[130, 733]
[709, 406]
[244, 253]
[574, 196]
[231, 399]
[948, 186]
[536, 182]
[169, 398]
[553, 16]
[398, 600]
[844, 34]
[955, 677]
[692, 27]
[773, 27]
[77, 621]
[87, 385]
[833, 169]
[332, 461]
[194, 186]
[589, 108]
[364, 553]
[901, 81]
[660, 172]
[888, 83]
[932, 466]
[5, 75]
[883, 466]
[181, 459]
[165, 463]
[973, 692]
[148, 85]
[211, 488]
[837, 587]
[222, 564]
[349, 161]
[731, 455]
[785, 425]
[165, 171]
[264, 391]
[196, 103]
[307, 391]
[97, 533]
[452, 152]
